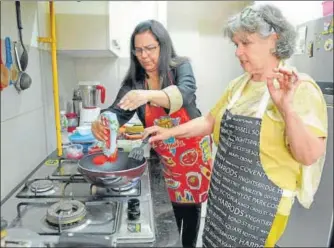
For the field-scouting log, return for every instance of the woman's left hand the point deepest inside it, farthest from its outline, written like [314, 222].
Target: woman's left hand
[283, 96]
[134, 99]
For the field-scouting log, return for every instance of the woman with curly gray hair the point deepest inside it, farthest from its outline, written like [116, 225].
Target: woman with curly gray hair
[271, 142]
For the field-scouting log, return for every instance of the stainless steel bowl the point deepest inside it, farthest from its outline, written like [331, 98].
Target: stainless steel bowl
[90, 95]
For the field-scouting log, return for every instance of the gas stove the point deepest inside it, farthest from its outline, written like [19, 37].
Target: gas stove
[53, 218]
[56, 206]
[72, 188]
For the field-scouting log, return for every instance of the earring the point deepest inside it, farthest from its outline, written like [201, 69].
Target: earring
[273, 50]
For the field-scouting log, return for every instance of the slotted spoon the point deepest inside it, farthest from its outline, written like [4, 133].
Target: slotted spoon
[138, 152]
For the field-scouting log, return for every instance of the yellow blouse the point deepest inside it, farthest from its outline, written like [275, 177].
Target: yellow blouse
[276, 159]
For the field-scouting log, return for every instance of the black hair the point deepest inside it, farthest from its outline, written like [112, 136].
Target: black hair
[168, 59]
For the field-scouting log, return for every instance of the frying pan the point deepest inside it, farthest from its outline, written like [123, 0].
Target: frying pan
[118, 174]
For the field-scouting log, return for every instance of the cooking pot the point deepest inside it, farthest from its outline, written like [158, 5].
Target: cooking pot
[89, 94]
[117, 174]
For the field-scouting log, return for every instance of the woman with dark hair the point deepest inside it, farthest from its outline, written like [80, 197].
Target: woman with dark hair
[160, 87]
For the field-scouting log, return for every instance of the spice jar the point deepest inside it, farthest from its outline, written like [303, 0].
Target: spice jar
[72, 119]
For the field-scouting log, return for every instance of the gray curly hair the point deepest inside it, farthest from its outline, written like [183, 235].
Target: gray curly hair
[265, 19]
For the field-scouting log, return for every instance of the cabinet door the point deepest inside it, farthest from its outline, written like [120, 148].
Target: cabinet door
[82, 26]
[124, 17]
[81, 8]
[116, 21]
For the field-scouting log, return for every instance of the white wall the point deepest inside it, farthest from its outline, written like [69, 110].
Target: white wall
[298, 12]
[27, 120]
[201, 39]
[213, 62]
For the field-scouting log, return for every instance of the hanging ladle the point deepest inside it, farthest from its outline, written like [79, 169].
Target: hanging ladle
[24, 55]
[24, 80]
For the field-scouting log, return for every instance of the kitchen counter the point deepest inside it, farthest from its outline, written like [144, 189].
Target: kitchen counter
[166, 229]
[165, 224]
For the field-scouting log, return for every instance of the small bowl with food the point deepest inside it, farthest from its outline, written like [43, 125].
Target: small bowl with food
[84, 130]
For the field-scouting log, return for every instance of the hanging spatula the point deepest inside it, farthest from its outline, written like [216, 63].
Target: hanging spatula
[138, 152]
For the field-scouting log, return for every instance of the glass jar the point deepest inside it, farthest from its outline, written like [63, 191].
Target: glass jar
[73, 122]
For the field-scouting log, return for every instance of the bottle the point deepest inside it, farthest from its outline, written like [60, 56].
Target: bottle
[63, 128]
[63, 121]
[77, 102]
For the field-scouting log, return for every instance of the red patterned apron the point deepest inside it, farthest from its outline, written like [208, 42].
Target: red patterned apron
[187, 162]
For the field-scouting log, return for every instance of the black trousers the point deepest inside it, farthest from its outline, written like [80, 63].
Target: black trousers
[188, 217]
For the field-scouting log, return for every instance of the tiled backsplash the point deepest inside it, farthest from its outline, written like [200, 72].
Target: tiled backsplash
[27, 119]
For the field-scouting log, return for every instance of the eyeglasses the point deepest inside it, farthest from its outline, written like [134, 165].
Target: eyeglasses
[148, 49]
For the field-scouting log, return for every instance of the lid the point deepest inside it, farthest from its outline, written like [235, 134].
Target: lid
[77, 138]
[89, 83]
[71, 115]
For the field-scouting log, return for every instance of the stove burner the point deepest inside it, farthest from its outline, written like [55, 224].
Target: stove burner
[66, 213]
[125, 187]
[41, 186]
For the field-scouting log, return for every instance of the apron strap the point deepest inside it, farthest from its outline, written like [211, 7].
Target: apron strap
[262, 106]
[289, 193]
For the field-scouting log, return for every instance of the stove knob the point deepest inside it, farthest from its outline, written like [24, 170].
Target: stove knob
[133, 209]
[133, 203]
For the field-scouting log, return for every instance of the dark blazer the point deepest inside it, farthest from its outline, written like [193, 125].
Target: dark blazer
[185, 81]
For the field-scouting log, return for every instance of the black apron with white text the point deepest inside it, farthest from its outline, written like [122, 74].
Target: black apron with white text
[242, 200]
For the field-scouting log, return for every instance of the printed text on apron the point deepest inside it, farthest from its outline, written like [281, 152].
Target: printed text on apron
[242, 200]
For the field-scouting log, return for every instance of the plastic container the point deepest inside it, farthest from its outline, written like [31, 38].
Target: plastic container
[74, 151]
[84, 130]
[327, 8]
[63, 127]
[63, 121]
[79, 139]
